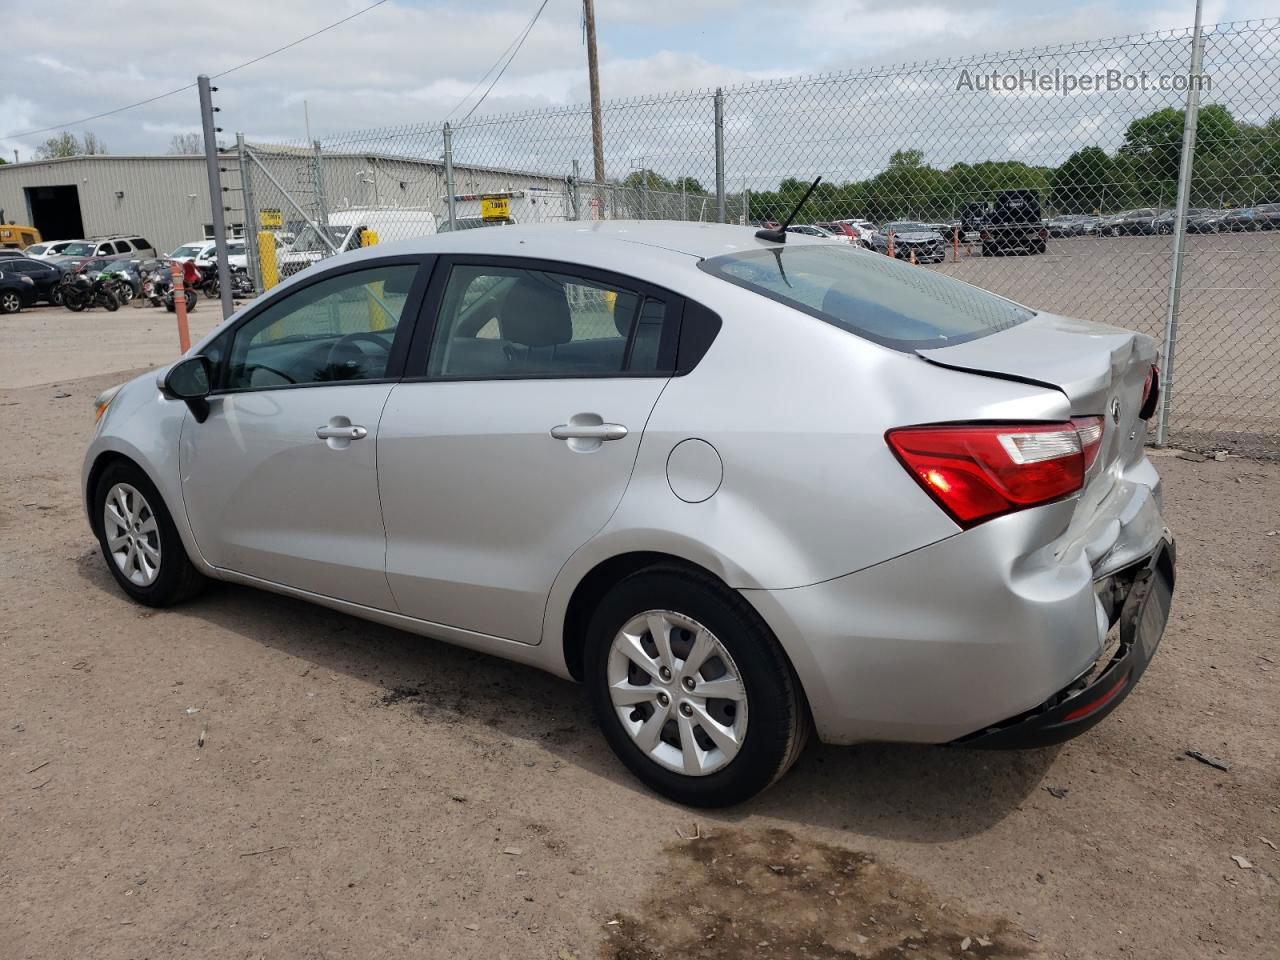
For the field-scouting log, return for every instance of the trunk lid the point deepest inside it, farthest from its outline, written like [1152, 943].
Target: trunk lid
[1101, 369]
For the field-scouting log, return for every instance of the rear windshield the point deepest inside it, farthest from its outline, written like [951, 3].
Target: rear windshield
[889, 301]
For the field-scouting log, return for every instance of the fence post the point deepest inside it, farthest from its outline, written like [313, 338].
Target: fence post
[719, 101]
[216, 203]
[575, 198]
[1180, 230]
[322, 203]
[448, 176]
[251, 225]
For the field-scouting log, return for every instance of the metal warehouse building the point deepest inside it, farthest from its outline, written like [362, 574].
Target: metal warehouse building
[166, 198]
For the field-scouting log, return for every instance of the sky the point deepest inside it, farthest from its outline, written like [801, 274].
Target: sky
[416, 61]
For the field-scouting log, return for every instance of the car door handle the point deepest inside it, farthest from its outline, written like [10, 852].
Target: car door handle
[341, 433]
[589, 431]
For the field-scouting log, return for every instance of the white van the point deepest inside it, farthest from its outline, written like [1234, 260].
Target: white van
[344, 232]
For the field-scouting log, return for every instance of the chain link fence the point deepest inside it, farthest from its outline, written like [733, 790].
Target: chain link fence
[1049, 175]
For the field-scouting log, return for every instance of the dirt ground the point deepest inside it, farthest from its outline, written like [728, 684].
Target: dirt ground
[366, 793]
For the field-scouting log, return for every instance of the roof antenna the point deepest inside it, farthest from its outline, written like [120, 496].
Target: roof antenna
[780, 235]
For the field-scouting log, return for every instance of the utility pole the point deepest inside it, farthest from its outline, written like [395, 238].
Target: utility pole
[593, 73]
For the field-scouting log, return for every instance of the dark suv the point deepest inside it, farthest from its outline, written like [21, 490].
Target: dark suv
[1013, 224]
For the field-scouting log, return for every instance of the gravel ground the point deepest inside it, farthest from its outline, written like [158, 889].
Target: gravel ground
[366, 793]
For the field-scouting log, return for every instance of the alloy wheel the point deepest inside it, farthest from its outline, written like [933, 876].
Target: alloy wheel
[677, 692]
[10, 303]
[132, 534]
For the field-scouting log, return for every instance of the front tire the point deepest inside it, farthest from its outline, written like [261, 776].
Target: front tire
[139, 540]
[691, 689]
[10, 302]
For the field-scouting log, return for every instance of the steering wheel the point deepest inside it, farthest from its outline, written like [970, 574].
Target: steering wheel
[345, 351]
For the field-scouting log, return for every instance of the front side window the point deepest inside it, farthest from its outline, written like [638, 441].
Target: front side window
[338, 329]
[513, 322]
[876, 297]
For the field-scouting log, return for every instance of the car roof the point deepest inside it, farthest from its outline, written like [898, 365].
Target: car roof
[582, 241]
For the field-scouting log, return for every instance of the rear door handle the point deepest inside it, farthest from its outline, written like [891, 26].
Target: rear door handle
[342, 433]
[589, 431]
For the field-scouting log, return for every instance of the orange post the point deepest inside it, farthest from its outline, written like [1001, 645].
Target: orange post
[913, 256]
[955, 244]
[890, 251]
[180, 307]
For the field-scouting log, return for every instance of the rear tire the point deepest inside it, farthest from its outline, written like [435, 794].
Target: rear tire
[139, 540]
[760, 727]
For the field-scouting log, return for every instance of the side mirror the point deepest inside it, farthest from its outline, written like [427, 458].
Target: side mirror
[190, 380]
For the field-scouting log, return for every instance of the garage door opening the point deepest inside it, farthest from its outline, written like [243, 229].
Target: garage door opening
[55, 212]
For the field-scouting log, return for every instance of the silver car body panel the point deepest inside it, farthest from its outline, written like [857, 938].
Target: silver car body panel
[899, 624]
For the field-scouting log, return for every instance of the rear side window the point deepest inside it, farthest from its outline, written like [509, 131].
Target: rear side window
[141, 243]
[879, 298]
[510, 322]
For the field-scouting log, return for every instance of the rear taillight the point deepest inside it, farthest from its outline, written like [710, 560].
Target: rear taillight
[1150, 394]
[1090, 431]
[979, 471]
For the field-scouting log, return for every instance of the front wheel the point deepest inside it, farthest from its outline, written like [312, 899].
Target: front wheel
[138, 538]
[691, 689]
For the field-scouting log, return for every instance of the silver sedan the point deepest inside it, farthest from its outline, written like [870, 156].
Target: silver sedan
[743, 490]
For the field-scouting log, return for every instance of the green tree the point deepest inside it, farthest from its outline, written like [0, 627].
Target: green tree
[1155, 142]
[67, 144]
[1084, 183]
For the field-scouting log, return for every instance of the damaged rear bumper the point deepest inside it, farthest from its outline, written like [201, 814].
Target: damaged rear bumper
[1141, 596]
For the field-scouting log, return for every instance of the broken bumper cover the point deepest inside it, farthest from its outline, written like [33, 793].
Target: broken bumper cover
[1143, 614]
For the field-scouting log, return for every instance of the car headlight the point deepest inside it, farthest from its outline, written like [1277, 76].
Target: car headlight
[104, 400]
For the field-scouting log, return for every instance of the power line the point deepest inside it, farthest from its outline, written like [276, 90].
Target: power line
[161, 96]
[519, 43]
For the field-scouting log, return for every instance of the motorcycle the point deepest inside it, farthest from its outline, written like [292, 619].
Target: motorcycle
[123, 281]
[80, 292]
[241, 285]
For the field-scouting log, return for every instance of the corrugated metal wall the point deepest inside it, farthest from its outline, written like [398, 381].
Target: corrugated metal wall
[166, 199]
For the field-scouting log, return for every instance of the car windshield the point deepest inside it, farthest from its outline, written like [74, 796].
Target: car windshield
[907, 226]
[235, 249]
[876, 297]
[35, 250]
[79, 249]
[311, 241]
[187, 251]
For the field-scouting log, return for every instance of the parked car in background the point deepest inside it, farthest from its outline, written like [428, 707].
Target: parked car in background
[1128, 223]
[1199, 220]
[9, 253]
[1265, 216]
[972, 215]
[1072, 225]
[47, 251]
[105, 248]
[910, 237]
[862, 229]
[45, 276]
[992, 568]
[16, 290]
[846, 229]
[1013, 224]
[346, 228]
[813, 230]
